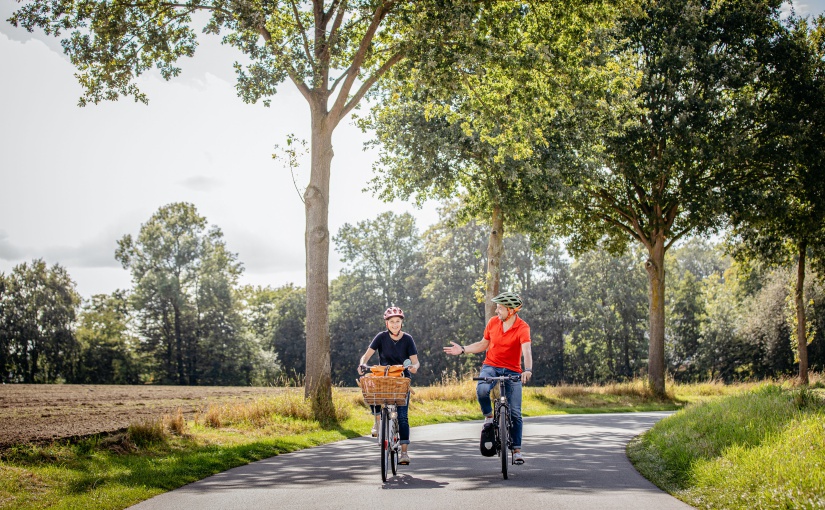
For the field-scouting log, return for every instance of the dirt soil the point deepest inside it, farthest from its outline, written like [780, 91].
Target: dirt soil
[46, 412]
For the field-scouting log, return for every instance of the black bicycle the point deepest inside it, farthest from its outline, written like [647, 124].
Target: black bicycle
[389, 393]
[501, 420]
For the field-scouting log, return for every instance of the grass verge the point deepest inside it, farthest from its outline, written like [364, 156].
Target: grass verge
[764, 448]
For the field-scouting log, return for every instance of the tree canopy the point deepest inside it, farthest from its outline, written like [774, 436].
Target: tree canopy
[461, 118]
[184, 290]
[38, 309]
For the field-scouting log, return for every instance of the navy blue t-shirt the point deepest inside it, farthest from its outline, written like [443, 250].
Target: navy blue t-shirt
[391, 352]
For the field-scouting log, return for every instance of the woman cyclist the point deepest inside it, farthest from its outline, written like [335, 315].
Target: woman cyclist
[394, 346]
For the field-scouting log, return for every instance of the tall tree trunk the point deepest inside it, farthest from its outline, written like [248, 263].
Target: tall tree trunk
[495, 251]
[611, 357]
[168, 337]
[655, 267]
[178, 344]
[560, 353]
[801, 326]
[31, 373]
[318, 382]
[626, 370]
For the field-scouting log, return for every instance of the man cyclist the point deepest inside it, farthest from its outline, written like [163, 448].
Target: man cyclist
[394, 346]
[506, 340]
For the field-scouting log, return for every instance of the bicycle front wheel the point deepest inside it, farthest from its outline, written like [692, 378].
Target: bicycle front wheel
[384, 441]
[503, 432]
[394, 446]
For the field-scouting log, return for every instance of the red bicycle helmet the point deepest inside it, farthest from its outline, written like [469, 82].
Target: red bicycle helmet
[393, 311]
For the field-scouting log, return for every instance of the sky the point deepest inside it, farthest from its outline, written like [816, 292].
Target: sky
[75, 180]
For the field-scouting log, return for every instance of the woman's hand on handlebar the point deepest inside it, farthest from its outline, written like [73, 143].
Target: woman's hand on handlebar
[363, 369]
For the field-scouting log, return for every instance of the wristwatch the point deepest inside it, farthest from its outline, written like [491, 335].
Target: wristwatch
[462, 349]
[528, 370]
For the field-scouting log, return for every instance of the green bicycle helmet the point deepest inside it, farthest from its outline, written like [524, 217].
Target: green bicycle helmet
[509, 299]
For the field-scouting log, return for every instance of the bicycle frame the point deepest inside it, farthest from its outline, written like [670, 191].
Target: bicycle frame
[502, 419]
[388, 439]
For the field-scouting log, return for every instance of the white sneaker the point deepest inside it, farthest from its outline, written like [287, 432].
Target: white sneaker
[488, 419]
[374, 431]
[518, 458]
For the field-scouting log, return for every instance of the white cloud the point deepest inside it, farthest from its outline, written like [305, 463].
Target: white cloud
[200, 183]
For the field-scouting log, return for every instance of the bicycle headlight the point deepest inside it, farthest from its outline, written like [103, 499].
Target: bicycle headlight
[393, 415]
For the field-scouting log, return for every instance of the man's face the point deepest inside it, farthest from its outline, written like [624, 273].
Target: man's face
[502, 311]
[394, 325]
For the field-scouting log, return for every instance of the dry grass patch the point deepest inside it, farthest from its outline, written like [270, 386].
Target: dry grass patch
[450, 389]
[266, 411]
[175, 423]
[629, 393]
[146, 432]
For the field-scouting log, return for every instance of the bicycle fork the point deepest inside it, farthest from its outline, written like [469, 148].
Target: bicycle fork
[390, 442]
[504, 408]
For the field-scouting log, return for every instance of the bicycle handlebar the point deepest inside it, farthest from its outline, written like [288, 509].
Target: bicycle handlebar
[511, 377]
[367, 368]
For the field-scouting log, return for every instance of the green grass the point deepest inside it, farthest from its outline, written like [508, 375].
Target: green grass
[89, 476]
[113, 472]
[764, 449]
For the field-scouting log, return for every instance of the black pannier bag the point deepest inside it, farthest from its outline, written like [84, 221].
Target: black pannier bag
[488, 440]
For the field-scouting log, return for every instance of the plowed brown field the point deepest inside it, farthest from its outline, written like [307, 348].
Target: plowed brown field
[46, 412]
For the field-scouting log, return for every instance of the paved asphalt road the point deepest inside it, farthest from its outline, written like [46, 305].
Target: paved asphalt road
[572, 462]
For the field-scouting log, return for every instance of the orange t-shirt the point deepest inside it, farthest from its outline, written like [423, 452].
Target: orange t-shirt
[504, 350]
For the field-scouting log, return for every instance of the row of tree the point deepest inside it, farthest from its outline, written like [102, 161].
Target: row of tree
[647, 123]
[188, 321]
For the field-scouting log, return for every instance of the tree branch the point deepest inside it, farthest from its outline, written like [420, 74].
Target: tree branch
[362, 91]
[677, 236]
[293, 75]
[339, 19]
[634, 228]
[302, 30]
[338, 80]
[341, 106]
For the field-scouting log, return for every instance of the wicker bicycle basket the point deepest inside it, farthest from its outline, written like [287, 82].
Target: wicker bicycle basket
[384, 390]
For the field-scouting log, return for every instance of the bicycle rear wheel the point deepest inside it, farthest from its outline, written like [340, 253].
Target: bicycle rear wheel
[503, 432]
[384, 441]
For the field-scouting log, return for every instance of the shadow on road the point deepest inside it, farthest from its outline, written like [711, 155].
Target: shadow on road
[563, 452]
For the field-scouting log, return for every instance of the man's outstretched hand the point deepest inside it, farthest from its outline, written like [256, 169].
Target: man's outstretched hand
[454, 349]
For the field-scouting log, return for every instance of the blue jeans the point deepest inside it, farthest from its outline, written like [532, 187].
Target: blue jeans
[512, 390]
[403, 421]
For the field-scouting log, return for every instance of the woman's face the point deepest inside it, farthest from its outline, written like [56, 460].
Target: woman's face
[394, 325]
